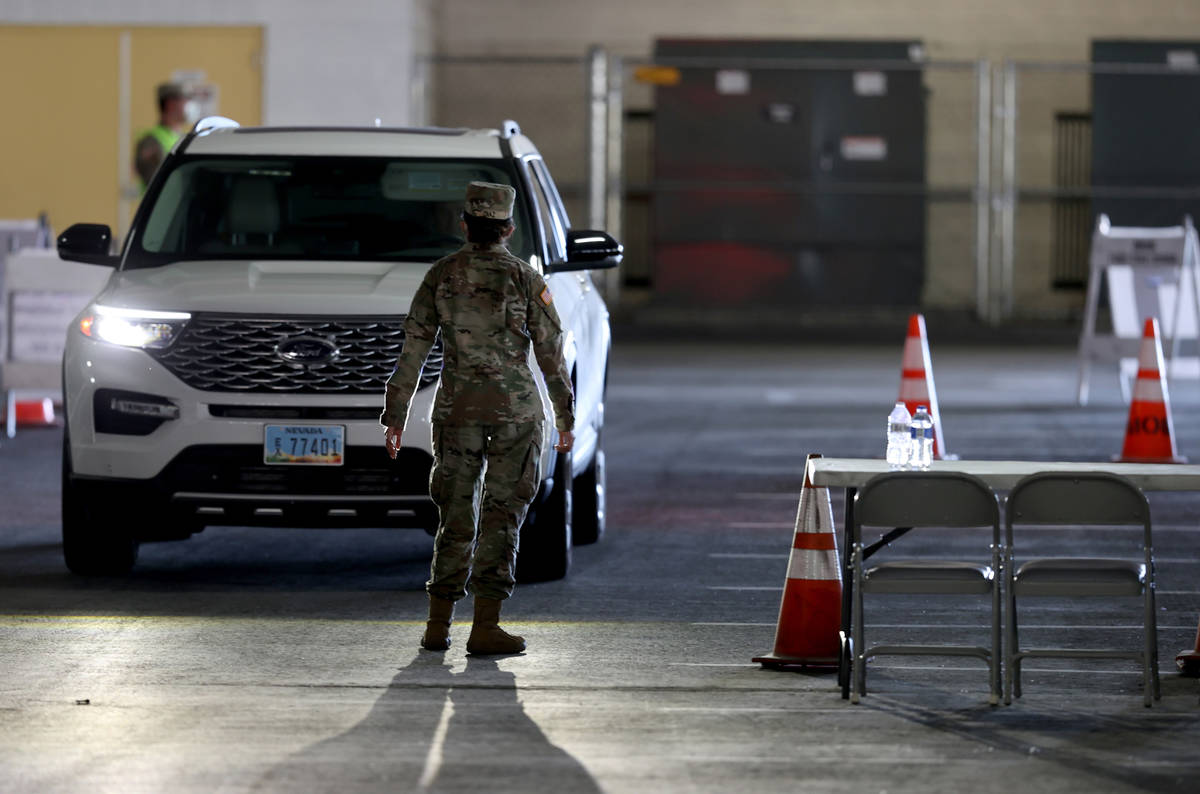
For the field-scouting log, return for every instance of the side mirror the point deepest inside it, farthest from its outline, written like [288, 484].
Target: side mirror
[88, 243]
[588, 249]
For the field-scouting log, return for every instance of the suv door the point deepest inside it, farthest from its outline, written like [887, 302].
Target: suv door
[581, 308]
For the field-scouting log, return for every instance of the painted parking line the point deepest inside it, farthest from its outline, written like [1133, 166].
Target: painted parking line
[1025, 669]
[746, 710]
[779, 589]
[883, 668]
[747, 556]
[730, 555]
[754, 497]
[1056, 627]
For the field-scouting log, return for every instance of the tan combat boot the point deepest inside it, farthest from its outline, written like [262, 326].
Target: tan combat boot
[437, 629]
[487, 638]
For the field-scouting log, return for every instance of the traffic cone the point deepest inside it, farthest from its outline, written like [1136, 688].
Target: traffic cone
[1188, 662]
[1150, 433]
[35, 412]
[916, 380]
[810, 613]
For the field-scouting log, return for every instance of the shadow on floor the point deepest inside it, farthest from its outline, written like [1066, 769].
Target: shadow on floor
[433, 730]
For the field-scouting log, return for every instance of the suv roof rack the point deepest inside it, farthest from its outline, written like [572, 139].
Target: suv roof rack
[509, 128]
[330, 128]
[210, 123]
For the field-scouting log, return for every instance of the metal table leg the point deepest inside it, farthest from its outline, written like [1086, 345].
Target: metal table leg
[845, 659]
[844, 662]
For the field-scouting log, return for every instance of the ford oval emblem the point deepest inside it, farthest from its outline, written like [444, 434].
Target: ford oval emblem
[307, 351]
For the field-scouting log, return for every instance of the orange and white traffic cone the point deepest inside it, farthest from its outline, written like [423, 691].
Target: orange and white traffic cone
[807, 632]
[1188, 662]
[916, 380]
[26, 413]
[1150, 433]
[35, 412]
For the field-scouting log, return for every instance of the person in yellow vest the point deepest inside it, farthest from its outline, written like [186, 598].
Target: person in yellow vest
[154, 143]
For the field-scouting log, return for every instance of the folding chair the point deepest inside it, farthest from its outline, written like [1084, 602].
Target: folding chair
[1080, 499]
[926, 499]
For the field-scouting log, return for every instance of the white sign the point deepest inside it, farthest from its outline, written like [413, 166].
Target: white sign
[864, 147]
[40, 319]
[1150, 272]
[1182, 59]
[870, 83]
[733, 81]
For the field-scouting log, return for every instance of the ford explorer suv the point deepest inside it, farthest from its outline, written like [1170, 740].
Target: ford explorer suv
[232, 370]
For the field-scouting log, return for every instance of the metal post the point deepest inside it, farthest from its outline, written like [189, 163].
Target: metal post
[1009, 205]
[983, 186]
[995, 249]
[597, 79]
[418, 98]
[127, 191]
[614, 178]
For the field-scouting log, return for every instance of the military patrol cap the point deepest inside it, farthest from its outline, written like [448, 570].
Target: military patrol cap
[490, 200]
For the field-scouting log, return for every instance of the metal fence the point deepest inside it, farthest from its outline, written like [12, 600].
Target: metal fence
[1047, 197]
[1007, 188]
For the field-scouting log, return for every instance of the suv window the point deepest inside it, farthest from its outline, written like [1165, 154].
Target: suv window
[551, 191]
[549, 209]
[323, 208]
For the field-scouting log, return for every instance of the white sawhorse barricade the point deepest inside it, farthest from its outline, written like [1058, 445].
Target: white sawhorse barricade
[40, 296]
[1150, 272]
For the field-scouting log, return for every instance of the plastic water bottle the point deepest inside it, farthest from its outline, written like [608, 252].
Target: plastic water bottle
[898, 437]
[922, 438]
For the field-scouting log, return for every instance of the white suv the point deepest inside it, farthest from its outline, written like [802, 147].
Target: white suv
[232, 369]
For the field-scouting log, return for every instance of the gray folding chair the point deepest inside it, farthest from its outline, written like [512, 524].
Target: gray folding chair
[1080, 499]
[926, 499]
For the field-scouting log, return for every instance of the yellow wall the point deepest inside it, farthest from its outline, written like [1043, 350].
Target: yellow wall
[58, 148]
[61, 150]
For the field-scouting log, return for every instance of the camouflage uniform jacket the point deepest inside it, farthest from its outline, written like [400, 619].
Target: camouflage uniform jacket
[489, 306]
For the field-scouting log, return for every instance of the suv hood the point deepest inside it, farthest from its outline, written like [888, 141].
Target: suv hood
[269, 287]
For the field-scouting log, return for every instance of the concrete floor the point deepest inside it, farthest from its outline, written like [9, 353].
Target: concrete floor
[276, 660]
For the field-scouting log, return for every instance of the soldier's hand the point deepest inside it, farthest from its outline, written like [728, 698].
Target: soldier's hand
[391, 439]
[565, 441]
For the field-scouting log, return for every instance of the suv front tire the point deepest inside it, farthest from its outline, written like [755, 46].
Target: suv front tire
[545, 540]
[96, 537]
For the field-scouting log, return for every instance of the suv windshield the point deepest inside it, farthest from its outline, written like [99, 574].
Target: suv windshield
[332, 208]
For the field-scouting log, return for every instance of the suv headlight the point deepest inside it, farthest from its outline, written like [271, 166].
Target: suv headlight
[133, 327]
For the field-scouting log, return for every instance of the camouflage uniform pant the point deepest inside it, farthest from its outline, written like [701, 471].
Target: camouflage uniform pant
[479, 521]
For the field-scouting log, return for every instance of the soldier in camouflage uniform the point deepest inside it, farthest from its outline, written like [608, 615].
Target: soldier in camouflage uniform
[489, 307]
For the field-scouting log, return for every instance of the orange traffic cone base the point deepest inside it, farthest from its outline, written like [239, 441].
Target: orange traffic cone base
[1170, 459]
[776, 662]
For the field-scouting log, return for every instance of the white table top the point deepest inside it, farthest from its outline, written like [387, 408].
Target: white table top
[1004, 474]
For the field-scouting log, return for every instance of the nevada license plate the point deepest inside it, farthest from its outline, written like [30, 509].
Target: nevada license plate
[304, 445]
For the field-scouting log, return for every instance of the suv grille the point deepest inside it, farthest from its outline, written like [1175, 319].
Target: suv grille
[242, 354]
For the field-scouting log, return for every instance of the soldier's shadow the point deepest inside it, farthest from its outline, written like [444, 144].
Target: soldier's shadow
[437, 731]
